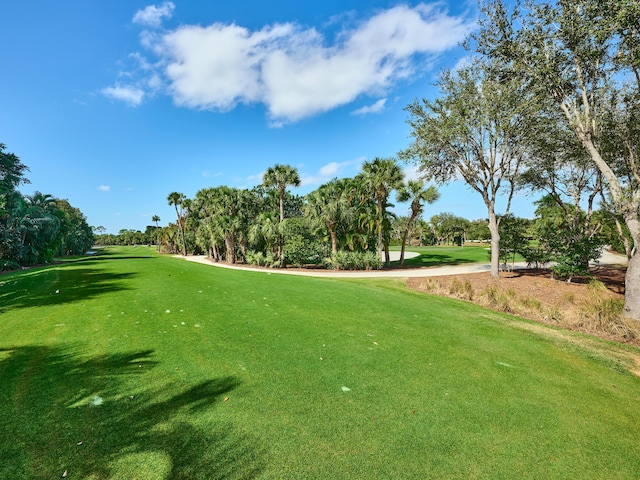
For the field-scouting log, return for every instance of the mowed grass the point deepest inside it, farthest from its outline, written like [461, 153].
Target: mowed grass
[436, 255]
[132, 365]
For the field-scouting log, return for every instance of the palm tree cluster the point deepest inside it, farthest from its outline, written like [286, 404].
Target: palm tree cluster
[35, 228]
[268, 225]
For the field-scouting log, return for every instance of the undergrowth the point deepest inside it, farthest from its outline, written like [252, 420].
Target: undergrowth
[595, 312]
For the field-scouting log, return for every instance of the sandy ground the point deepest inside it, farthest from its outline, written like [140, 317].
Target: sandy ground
[607, 258]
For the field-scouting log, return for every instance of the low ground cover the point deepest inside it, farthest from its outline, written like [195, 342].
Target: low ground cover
[134, 365]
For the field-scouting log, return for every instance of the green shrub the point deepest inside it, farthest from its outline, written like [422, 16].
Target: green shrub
[345, 260]
[256, 258]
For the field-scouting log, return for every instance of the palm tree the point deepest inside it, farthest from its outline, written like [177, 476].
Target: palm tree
[281, 176]
[177, 199]
[156, 219]
[331, 204]
[419, 194]
[381, 176]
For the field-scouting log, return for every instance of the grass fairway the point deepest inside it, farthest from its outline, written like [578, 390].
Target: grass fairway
[436, 255]
[134, 366]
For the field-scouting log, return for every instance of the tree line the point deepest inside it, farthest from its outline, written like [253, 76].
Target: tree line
[35, 228]
[345, 223]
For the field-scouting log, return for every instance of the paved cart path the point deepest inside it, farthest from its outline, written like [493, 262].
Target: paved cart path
[607, 258]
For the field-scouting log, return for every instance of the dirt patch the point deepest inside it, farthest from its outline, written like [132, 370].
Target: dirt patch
[588, 305]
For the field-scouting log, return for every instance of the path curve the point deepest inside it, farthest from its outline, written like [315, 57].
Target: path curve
[607, 258]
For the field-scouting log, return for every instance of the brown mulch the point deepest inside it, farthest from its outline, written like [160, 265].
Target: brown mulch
[537, 283]
[553, 296]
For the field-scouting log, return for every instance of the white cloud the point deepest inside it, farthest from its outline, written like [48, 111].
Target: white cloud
[153, 14]
[375, 108]
[104, 188]
[331, 170]
[412, 172]
[291, 69]
[129, 94]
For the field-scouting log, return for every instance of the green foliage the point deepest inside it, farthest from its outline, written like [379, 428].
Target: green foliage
[34, 228]
[571, 244]
[447, 227]
[535, 256]
[301, 247]
[478, 230]
[513, 237]
[346, 260]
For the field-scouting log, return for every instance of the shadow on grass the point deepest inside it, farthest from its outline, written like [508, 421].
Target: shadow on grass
[432, 260]
[60, 412]
[59, 284]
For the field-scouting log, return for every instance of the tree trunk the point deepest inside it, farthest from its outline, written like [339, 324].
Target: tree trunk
[230, 243]
[334, 240]
[405, 235]
[380, 220]
[632, 288]
[495, 244]
[632, 278]
[281, 192]
[404, 242]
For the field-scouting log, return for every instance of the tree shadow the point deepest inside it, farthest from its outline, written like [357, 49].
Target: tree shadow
[58, 285]
[430, 260]
[60, 412]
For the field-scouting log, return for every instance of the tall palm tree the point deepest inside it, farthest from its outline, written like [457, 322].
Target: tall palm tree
[156, 219]
[419, 194]
[177, 199]
[280, 177]
[381, 176]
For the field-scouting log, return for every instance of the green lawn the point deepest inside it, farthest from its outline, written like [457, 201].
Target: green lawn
[131, 365]
[435, 255]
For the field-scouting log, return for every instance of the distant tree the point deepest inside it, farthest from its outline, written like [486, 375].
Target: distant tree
[156, 219]
[479, 230]
[177, 200]
[448, 227]
[419, 194]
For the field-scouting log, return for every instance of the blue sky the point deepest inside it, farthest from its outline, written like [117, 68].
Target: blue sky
[113, 105]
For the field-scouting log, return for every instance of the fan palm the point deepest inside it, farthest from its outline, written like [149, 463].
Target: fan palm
[177, 199]
[419, 194]
[381, 176]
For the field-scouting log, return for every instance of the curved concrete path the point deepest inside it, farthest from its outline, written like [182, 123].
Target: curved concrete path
[607, 258]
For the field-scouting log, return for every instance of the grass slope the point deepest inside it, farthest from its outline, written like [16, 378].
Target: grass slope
[130, 365]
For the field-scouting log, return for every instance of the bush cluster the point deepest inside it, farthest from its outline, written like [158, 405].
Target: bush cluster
[347, 260]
